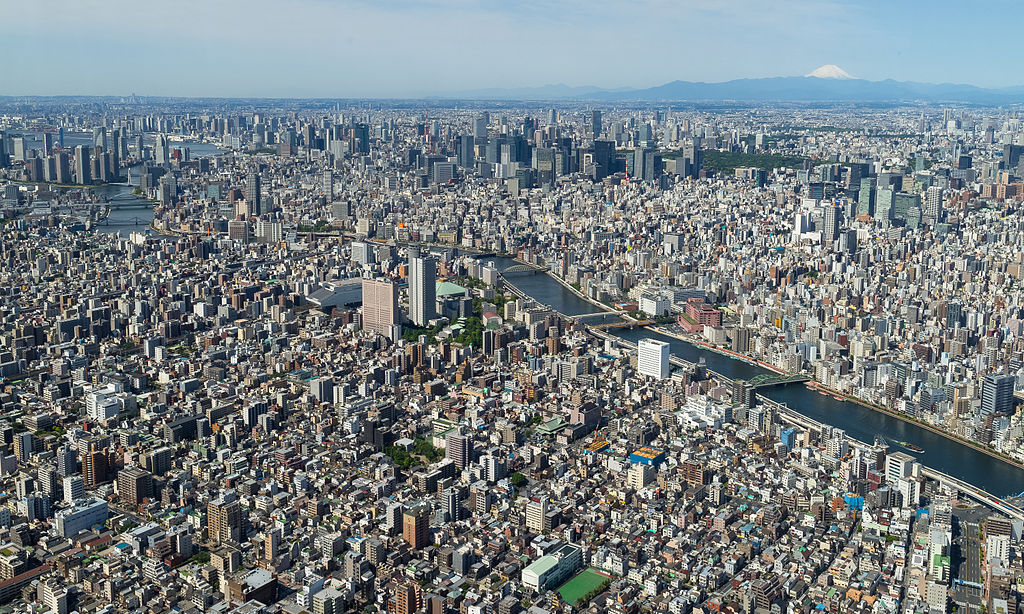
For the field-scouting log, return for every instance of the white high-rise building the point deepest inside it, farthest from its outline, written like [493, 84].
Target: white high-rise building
[640, 475]
[380, 306]
[653, 358]
[536, 511]
[422, 282]
[74, 488]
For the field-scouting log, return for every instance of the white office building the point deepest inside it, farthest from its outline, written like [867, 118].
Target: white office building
[84, 514]
[653, 358]
[422, 290]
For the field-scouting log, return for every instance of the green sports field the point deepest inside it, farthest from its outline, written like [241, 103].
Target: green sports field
[586, 581]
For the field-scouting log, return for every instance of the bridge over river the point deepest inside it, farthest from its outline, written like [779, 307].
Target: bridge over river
[961, 465]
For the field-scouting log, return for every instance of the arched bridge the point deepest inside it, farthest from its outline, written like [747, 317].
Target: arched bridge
[522, 269]
[622, 324]
[776, 379]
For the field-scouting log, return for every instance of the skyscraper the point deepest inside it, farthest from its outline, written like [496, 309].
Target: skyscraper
[830, 223]
[422, 282]
[83, 167]
[997, 394]
[459, 449]
[536, 511]
[480, 128]
[252, 194]
[134, 484]
[595, 123]
[414, 527]
[933, 204]
[467, 152]
[95, 463]
[653, 358]
[328, 185]
[224, 518]
[161, 149]
[380, 306]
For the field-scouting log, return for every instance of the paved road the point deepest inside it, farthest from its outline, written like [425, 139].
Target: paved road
[968, 544]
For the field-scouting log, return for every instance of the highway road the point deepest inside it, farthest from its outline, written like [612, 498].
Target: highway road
[969, 545]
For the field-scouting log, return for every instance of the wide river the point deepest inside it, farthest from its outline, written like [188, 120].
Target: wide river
[137, 217]
[940, 453]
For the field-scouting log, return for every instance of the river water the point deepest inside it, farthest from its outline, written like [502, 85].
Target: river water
[859, 422]
[138, 216]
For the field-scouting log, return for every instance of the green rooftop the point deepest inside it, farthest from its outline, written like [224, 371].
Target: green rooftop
[447, 288]
[551, 426]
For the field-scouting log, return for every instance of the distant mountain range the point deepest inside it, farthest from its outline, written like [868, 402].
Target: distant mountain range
[544, 92]
[826, 84]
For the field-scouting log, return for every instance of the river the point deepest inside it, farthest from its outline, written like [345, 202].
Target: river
[121, 221]
[34, 140]
[859, 422]
[124, 221]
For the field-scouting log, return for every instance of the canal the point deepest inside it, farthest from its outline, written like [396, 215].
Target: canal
[859, 422]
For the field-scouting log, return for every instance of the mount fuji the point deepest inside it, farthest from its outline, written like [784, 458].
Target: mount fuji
[829, 71]
[825, 84]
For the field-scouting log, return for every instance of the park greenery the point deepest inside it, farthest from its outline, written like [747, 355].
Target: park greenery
[726, 162]
[422, 450]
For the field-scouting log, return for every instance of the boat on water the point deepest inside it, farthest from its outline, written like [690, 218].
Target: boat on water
[911, 446]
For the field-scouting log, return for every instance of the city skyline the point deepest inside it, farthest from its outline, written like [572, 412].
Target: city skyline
[334, 306]
[356, 49]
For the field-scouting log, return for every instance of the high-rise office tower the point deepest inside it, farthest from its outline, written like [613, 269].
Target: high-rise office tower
[422, 281]
[380, 306]
[329, 185]
[653, 358]
[62, 167]
[252, 194]
[536, 511]
[83, 165]
[831, 221]
[459, 449]
[997, 394]
[20, 149]
[74, 488]
[224, 518]
[99, 137]
[415, 523]
[604, 158]
[134, 484]
[884, 198]
[161, 149]
[480, 128]
[933, 204]
[595, 123]
[467, 152]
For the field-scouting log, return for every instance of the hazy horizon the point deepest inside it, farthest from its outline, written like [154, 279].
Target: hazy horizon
[430, 48]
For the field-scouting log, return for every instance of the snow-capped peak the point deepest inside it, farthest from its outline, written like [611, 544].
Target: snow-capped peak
[829, 71]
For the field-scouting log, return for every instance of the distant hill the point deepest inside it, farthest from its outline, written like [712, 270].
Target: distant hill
[771, 89]
[544, 92]
[817, 89]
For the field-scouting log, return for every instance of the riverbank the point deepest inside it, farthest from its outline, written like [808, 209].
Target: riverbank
[571, 288]
[823, 389]
[992, 473]
[839, 395]
[1000, 504]
[750, 360]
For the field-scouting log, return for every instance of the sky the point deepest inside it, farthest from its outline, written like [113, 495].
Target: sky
[412, 48]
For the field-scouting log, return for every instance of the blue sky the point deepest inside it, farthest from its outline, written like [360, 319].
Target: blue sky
[361, 48]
